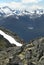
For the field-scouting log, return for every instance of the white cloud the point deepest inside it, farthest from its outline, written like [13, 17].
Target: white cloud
[30, 1]
[22, 5]
[18, 5]
[14, 5]
[33, 7]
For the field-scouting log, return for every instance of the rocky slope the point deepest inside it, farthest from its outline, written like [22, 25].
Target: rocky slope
[31, 53]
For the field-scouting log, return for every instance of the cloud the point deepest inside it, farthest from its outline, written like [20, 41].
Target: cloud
[31, 1]
[14, 5]
[33, 7]
[22, 5]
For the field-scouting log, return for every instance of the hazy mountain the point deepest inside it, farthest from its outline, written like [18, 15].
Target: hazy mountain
[26, 24]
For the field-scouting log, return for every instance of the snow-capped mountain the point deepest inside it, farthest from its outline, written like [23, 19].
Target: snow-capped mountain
[7, 11]
[27, 24]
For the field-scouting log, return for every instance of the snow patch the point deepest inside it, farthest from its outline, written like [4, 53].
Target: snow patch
[10, 38]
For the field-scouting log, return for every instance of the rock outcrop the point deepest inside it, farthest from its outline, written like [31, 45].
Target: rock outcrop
[29, 54]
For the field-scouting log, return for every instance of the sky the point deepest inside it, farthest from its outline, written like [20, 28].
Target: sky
[23, 4]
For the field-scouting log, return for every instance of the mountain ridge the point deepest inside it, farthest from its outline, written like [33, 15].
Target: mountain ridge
[7, 11]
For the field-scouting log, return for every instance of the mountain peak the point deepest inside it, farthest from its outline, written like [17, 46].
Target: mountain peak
[7, 11]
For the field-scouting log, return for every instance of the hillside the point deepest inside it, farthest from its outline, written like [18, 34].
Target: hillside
[31, 53]
[6, 38]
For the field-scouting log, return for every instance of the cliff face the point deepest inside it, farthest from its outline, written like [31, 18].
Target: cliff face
[31, 53]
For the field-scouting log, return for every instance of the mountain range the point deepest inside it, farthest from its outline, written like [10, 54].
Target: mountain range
[27, 24]
[7, 11]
